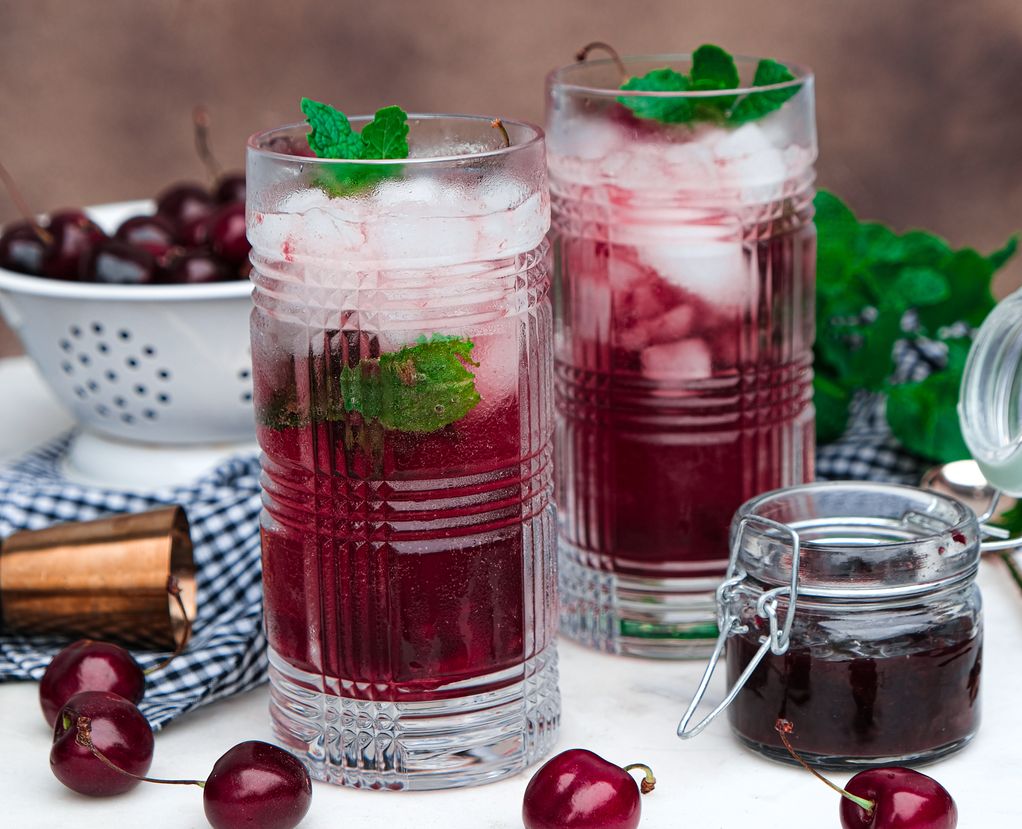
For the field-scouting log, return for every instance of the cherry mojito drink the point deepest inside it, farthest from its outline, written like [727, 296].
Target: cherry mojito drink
[402, 353]
[685, 253]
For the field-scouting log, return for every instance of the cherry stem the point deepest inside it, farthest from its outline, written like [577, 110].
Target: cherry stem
[83, 737]
[19, 202]
[174, 589]
[200, 119]
[497, 124]
[583, 53]
[784, 728]
[648, 782]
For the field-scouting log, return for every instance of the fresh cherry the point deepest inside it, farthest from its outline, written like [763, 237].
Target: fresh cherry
[74, 234]
[184, 203]
[87, 665]
[152, 233]
[195, 233]
[257, 784]
[580, 790]
[901, 798]
[885, 798]
[114, 262]
[22, 249]
[195, 267]
[227, 234]
[99, 721]
[230, 187]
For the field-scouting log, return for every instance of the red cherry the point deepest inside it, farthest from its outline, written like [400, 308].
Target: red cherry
[152, 233]
[184, 203]
[257, 784]
[905, 799]
[86, 665]
[74, 234]
[114, 262]
[227, 234]
[118, 731]
[196, 267]
[230, 187]
[22, 250]
[580, 790]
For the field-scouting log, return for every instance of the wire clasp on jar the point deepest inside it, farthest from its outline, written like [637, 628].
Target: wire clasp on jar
[729, 623]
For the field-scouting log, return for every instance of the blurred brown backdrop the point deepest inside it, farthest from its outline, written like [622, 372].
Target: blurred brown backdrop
[919, 101]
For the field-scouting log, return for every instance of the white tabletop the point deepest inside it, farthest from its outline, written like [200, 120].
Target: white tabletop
[624, 709]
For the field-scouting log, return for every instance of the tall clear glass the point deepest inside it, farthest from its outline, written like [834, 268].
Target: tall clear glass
[402, 354]
[684, 259]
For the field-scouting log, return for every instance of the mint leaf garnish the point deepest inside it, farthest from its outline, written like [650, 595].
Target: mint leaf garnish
[386, 136]
[713, 68]
[668, 110]
[420, 388]
[876, 287]
[332, 136]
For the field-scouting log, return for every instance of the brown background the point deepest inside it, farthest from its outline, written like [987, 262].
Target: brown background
[919, 101]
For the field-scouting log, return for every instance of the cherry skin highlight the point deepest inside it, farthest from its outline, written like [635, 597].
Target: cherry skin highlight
[184, 203]
[578, 789]
[117, 729]
[905, 799]
[227, 234]
[86, 665]
[74, 234]
[257, 784]
[21, 249]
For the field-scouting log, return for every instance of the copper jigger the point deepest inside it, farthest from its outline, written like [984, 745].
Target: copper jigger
[103, 579]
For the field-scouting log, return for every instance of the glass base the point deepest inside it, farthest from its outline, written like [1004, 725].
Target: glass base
[661, 618]
[839, 763]
[439, 744]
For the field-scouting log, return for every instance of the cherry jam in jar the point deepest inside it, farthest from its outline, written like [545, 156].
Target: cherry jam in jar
[883, 651]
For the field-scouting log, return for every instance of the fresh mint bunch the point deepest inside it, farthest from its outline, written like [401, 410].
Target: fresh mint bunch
[875, 287]
[712, 69]
[331, 136]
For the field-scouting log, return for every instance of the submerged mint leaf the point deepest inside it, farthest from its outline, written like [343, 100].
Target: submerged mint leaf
[420, 388]
[386, 136]
[668, 110]
[331, 135]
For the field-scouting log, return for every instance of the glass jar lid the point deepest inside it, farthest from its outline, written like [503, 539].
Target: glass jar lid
[858, 540]
[990, 403]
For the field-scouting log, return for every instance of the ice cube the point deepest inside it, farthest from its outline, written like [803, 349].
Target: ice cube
[749, 163]
[688, 359]
[712, 268]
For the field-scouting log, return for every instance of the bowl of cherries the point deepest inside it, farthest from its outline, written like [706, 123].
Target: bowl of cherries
[136, 313]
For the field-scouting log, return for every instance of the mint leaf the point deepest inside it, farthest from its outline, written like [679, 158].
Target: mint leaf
[420, 388]
[386, 136]
[831, 402]
[331, 135]
[712, 65]
[999, 258]
[757, 104]
[668, 110]
[919, 287]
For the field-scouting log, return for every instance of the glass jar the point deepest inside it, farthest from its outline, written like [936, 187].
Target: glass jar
[402, 360]
[851, 610]
[685, 264]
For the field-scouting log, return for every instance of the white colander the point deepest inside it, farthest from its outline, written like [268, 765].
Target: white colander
[154, 364]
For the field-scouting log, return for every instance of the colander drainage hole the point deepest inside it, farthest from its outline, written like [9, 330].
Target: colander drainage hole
[124, 334]
[127, 418]
[97, 328]
[131, 362]
[66, 345]
[68, 368]
[80, 391]
[149, 414]
[244, 374]
[84, 359]
[140, 390]
[246, 397]
[163, 374]
[120, 402]
[163, 398]
[93, 385]
[75, 331]
[103, 410]
[111, 375]
[102, 348]
[149, 351]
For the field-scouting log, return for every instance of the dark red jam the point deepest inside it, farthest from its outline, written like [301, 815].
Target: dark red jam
[921, 701]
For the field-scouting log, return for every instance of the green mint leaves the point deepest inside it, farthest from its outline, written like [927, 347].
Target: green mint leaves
[712, 69]
[331, 136]
[420, 388]
[876, 287]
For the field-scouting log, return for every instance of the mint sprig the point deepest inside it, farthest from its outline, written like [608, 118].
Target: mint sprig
[713, 68]
[876, 287]
[419, 388]
[332, 136]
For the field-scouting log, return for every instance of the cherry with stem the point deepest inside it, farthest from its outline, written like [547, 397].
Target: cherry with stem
[784, 728]
[200, 121]
[498, 125]
[19, 202]
[174, 589]
[582, 54]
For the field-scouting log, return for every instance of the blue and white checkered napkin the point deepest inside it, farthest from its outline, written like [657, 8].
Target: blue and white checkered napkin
[226, 654]
[227, 651]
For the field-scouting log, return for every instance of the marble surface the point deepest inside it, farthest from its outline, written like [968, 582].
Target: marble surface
[625, 709]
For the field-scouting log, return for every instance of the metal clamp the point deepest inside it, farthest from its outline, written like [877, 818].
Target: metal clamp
[1004, 539]
[776, 641]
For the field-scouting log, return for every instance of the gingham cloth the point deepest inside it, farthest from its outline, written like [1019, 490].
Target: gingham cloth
[226, 654]
[227, 651]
